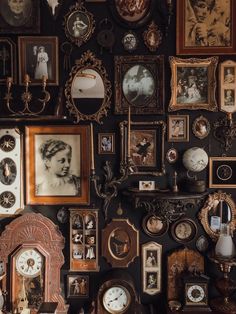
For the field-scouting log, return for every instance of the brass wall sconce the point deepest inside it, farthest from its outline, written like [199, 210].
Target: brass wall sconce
[225, 131]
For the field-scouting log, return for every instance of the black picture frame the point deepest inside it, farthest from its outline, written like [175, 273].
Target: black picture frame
[154, 226]
[222, 172]
[139, 83]
[26, 22]
[184, 230]
[7, 60]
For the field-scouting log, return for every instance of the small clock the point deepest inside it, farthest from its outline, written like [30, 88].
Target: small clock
[196, 293]
[116, 299]
[29, 263]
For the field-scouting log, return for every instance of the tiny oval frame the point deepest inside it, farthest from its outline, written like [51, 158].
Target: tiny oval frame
[130, 41]
[184, 230]
[201, 127]
[79, 24]
[172, 155]
[154, 225]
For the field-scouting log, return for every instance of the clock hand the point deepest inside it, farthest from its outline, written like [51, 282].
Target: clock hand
[115, 298]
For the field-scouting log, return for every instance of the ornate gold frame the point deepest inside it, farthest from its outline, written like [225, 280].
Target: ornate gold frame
[203, 215]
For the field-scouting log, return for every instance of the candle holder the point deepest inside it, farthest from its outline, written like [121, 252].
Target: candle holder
[31, 107]
[225, 131]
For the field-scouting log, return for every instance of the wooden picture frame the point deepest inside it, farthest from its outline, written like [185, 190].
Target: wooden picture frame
[20, 18]
[193, 83]
[154, 226]
[43, 147]
[139, 83]
[79, 24]
[178, 128]
[38, 57]
[84, 239]
[201, 127]
[205, 30]
[227, 83]
[106, 143]
[222, 172]
[149, 161]
[184, 230]
[120, 243]
[77, 286]
[7, 60]
[134, 15]
[151, 267]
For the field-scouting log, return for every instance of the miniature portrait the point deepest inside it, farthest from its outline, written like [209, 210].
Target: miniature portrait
[138, 85]
[151, 260]
[229, 75]
[201, 127]
[132, 10]
[130, 41]
[77, 24]
[119, 243]
[229, 97]
[77, 286]
[151, 280]
[106, 143]
[90, 252]
[172, 155]
[154, 224]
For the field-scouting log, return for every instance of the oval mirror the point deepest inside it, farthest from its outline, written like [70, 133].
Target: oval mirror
[218, 209]
[88, 91]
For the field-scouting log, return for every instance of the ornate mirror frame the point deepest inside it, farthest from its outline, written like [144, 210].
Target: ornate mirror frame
[213, 200]
[88, 61]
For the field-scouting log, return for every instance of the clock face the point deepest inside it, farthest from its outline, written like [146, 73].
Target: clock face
[29, 262]
[116, 299]
[195, 294]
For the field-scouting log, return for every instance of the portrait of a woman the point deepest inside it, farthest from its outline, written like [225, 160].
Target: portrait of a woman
[16, 12]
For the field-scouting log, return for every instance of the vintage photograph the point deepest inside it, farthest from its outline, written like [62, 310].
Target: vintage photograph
[57, 164]
[151, 260]
[106, 143]
[193, 84]
[77, 286]
[172, 155]
[229, 97]
[77, 24]
[7, 60]
[139, 82]
[154, 225]
[19, 16]
[227, 101]
[184, 230]
[229, 75]
[178, 128]
[201, 127]
[119, 243]
[130, 41]
[207, 27]
[38, 57]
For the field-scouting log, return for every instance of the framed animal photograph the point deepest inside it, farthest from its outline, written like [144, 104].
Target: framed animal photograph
[151, 267]
[57, 165]
[193, 83]
[106, 143]
[20, 17]
[206, 27]
[77, 286]
[139, 83]
[38, 57]
[7, 60]
[178, 128]
[145, 146]
[222, 172]
[227, 80]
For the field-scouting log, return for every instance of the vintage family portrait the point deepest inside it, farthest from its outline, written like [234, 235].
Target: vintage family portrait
[78, 286]
[106, 143]
[178, 128]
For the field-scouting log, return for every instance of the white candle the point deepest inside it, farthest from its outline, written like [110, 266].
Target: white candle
[128, 144]
[92, 147]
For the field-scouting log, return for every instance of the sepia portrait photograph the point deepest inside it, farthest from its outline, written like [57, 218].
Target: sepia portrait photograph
[229, 75]
[130, 41]
[7, 60]
[201, 127]
[106, 143]
[227, 72]
[178, 128]
[78, 24]
[77, 286]
[154, 225]
[151, 260]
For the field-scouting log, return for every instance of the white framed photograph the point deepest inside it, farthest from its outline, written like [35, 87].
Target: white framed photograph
[146, 185]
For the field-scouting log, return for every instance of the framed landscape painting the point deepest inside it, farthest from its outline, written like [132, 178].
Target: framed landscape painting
[206, 27]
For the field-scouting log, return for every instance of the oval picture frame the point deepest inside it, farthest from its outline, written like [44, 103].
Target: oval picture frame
[172, 155]
[79, 24]
[201, 127]
[202, 244]
[130, 41]
[184, 230]
[154, 225]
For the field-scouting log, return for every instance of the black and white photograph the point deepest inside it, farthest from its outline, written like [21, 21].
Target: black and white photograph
[172, 155]
[38, 57]
[138, 85]
[151, 260]
[77, 24]
[229, 97]
[78, 286]
[19, 16]
[106, 143]
[130, 41]
[229, 75]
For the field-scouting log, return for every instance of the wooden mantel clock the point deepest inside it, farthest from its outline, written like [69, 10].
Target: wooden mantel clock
[31, 250]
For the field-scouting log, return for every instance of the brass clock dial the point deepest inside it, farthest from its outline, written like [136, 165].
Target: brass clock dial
[29, 263]
[116, 299]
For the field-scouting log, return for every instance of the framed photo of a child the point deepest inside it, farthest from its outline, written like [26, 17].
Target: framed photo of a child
[77, 286]
[106, 143]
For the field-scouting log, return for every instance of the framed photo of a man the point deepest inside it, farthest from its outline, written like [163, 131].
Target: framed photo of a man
[38, 57]
[206, 27]
[139, 84]
[19, 16]
[106, 143]
[193, 83]
[57, 165]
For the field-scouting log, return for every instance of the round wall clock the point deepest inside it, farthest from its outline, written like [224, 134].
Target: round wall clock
[116, 299]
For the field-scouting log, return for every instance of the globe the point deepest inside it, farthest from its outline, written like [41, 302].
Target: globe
[195, 159]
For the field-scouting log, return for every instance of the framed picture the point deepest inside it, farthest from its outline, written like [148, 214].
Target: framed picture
[201, 127]
[120, 242]
[222, 172]
[146, 185]
[20, 16]
[79, 24]
[151, 267]
[57, 165]
[172, 155]
[184, 230]
[133, 15]
[227, 80]
[139, 84]
[193, 84]
[77, 286]
[7, 60]
[178, 128]
[106, 143]
[146, 146]
[202, 244]
[206, 28]
[38, 57]
[130, 41]
[154, 226]
[83, 239]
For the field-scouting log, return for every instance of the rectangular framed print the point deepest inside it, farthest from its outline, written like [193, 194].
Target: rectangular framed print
[38, 57]
[77, 286]
[106, 143]
[178, 128]
[206, 27]
[7, 60]
[222, 172]
[57, 165]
